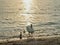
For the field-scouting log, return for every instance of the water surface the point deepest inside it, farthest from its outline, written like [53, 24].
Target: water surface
[43, 14]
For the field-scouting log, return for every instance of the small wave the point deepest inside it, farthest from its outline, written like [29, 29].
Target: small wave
[49, 23]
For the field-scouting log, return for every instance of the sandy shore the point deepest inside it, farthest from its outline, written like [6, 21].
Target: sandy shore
[49, 40]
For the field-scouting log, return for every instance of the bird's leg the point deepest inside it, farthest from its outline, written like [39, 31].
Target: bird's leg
[30, 35]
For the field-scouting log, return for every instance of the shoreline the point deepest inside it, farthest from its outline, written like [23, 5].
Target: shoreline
[34, 41]
[18, 39]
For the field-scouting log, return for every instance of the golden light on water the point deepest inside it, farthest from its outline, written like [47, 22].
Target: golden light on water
[27, 6]
[29, 12]
[28, 23]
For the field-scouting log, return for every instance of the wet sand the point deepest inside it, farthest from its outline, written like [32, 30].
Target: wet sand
[34, 41]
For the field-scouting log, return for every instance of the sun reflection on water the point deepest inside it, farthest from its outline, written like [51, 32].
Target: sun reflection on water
[27, 6]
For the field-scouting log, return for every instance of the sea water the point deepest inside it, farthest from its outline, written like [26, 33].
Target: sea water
[43, 14]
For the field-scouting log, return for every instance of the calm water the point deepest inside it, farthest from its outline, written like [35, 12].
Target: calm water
[43, 14]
